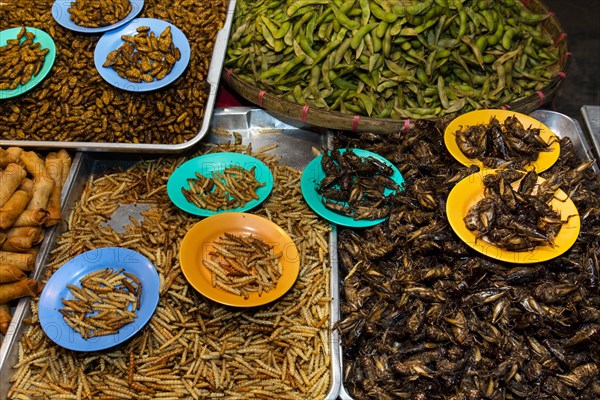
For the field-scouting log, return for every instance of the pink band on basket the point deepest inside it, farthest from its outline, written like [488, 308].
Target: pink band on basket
[560, 37]
[228, 74]
[305, 112]
[540, 95]
[505, 107]
[406, 125]
[355, 123]
[261, 94]
[567, 54]
[562, 74]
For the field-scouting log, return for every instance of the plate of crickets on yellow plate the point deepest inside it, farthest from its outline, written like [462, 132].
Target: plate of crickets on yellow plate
[501, 138]
[514, 216]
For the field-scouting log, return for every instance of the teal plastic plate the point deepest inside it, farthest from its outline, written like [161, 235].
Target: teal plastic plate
[313, 175]
[217, 162]
[45, 42]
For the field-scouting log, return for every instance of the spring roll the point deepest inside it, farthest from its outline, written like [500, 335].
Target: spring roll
[6, 158]
[54, 166]
[15, 152]
[34, 164]
[3, 236]
[26, 185]
[42, 188]
[32, 218]
[10, 179]
[23, 238]
[24, 261]
[18, 289]
[12, 209]
[64, 156]
[11, 273]
[5, 318]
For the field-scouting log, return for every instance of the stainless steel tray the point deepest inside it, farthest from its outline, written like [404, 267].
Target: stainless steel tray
[591, 118]
[295, 146]
[212, 79]
[562, 126]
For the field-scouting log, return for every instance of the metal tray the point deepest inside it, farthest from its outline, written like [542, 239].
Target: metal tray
[213, 78]
[562, 126]
[295, 146]
[591, 118]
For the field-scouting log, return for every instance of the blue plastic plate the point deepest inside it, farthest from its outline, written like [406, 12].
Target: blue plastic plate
[313, 175]
[112, 40]
[46, 42]
[217, 162]
[72, 272]
[60, 13]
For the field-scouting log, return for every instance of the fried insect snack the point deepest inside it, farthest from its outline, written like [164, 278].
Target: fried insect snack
[515, 218]
[105, 302]
[144, 57]
[20, 60]
[241, 264]
[355, 186]
[506, 143]
[232, 188]
[98, 13]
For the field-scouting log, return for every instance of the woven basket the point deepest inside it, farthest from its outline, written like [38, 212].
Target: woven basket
[342, 121]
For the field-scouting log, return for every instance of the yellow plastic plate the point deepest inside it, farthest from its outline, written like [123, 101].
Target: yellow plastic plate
[197, 243]
[545, 159]
[470, 190]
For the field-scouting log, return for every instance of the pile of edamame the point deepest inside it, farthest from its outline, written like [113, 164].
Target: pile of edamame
[393, 58]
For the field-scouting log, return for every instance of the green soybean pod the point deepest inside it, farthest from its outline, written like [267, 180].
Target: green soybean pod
[380, 14]
[359, 34]
[294, 7]
[507, 38]
[497, 36]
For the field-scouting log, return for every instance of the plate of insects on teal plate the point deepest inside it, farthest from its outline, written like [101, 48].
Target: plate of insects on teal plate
[220, 182]
[351, 187]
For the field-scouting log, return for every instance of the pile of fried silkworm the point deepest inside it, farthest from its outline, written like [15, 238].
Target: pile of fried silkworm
[426, 317]
[192, 348]
[144, 57]
[74, 103]
[20, 60]
[106, 301]
[98, 13]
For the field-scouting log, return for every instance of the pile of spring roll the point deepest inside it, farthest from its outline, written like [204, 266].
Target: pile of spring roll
[30, 202]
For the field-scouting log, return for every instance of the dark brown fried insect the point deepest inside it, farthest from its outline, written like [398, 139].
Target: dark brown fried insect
[356, 186]
[514, 219]
[420, 314]
[507, 144]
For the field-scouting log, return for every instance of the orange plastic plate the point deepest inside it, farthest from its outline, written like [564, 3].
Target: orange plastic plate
[197, 244]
